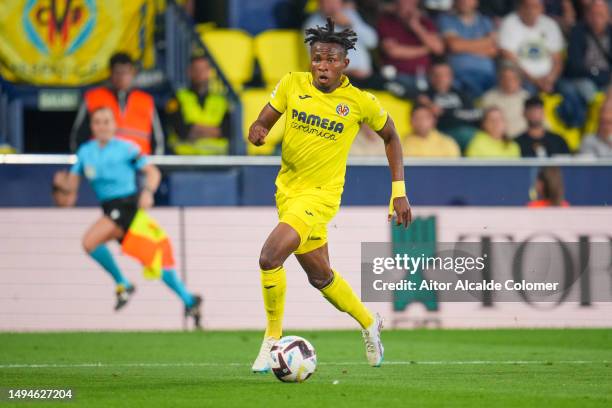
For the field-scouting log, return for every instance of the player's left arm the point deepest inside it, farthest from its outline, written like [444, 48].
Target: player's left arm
[152, 178]
[393, 148]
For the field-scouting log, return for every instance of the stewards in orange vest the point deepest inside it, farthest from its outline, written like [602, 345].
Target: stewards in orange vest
[134, 110]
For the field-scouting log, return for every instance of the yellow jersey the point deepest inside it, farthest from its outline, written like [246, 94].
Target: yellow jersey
[319, 131]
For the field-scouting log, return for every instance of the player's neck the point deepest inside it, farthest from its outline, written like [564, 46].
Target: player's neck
[328, 89]
[103, 142]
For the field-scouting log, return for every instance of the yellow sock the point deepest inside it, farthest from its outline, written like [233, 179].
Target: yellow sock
[340, 294]
[274, 286]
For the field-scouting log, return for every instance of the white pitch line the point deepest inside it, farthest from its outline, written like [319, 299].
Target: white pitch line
[204, 364]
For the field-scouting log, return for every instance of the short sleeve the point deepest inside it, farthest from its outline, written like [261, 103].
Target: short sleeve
[137, 158]
[554, 37]
[446, 26]
[508, 35]
[278, 97]
[374, 115]
[487, 25]
[77, 167]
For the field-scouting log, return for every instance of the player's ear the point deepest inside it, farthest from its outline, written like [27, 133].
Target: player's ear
[346, 62]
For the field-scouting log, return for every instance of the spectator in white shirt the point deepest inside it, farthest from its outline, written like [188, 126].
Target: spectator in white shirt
[534, 42]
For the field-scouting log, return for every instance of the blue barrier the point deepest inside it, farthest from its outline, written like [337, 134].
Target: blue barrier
[24, 185]
[203, 188]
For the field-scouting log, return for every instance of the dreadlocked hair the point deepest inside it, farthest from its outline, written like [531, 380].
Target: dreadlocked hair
[346, 38]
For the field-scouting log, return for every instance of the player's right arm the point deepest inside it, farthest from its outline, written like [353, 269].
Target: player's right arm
[271, 112]
[66, 183]
[65, 188]
[260, 128]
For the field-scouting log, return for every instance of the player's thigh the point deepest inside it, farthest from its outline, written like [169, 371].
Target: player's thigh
[317, 267]
[281, 243]
[100, 232]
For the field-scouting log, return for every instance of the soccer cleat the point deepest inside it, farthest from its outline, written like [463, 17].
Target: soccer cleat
[262, 362]
[123, 295]
[374, 347]
[195, 311]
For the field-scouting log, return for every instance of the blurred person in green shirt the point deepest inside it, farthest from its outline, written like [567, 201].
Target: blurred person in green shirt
[492, 140]
[198, 115]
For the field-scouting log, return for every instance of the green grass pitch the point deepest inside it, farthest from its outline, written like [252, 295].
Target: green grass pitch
[501, 368]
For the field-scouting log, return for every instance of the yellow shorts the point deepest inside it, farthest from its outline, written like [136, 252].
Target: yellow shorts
[308, 213]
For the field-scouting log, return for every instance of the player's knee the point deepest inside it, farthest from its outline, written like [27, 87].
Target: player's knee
[88, 244]
[268, 261]
[321, 281]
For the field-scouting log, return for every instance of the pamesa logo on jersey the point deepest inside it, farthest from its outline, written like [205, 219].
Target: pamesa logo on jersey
[315, 124]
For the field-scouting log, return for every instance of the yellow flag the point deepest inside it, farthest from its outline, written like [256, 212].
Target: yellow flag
[69, 42]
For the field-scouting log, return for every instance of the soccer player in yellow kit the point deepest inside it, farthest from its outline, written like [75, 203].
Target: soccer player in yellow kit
[324, 113]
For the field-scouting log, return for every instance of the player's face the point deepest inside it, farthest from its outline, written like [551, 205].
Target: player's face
[530, 11]
[494, 124]
[406, 8]
[598, 16]
[535, 116]
[466, 6]
[442, 77]
[199, 71]
[330, 7]
[510, 81]
[327, 62]
[122, 76]
[103, 125]
[422, 122]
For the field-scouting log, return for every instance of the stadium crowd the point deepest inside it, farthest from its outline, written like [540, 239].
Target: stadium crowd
[483, 78]
[495, 78]
[481, 74]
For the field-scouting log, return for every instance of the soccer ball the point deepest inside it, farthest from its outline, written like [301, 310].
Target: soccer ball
[293, 359]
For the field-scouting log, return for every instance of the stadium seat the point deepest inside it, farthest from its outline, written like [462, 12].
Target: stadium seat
[233, 51]
[279, 52]
[205, 27]
[555, 124]
[592, 122]
[253, 100]
[399, 110]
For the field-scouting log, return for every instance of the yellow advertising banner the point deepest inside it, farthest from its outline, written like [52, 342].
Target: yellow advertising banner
[69, 42]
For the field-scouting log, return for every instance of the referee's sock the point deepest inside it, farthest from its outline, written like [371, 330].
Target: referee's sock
[340, 294]
[274, 286]
[104, 257]
[172, 280]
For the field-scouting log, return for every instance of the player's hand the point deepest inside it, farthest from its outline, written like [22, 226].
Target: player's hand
[60, 199]
[60, 179]
[342, 19]
[257, 134]
[402, 209]
[146, 199]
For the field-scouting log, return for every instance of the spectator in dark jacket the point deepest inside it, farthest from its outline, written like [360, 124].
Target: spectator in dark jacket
[455, 110]
[537, 141]
[589, 56]
[497, 9]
